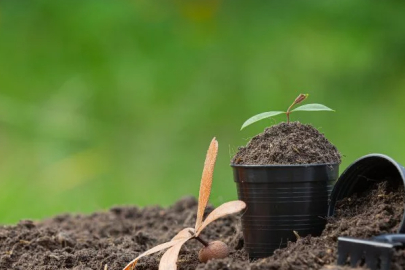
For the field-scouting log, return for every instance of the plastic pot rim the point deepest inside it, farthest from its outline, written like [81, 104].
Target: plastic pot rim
[233, 165]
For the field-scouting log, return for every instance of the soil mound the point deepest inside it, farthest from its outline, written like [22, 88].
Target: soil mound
[110, 239]
[292, 143]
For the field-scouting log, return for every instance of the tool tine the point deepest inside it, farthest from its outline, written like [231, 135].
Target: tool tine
[385, 258]
[355, 257]
[342, 258]
[344, 250]
[371, 258]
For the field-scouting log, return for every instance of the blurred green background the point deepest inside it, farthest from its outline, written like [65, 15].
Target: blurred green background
[115, 102]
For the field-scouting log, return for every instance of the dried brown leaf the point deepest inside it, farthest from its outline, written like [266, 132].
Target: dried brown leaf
[169, 259]
[184, 233]
[222, 210]
[206, 181]
[178, 238]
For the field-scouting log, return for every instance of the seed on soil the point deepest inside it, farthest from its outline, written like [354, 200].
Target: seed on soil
[214, 250]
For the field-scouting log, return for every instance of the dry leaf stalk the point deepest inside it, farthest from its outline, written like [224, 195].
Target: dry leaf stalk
[206, 181]
[169, 258]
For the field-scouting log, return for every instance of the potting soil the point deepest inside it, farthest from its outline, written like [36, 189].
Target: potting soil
[292, 143]
[109, 240]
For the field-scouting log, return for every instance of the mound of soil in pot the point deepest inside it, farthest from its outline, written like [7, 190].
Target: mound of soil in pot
[110, 239]
[292, 143]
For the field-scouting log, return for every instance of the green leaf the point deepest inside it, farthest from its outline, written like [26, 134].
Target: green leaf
[259, 117]
[312, 107]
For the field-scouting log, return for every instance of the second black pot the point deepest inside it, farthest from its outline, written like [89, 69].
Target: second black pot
[363, 173]
[282, 199]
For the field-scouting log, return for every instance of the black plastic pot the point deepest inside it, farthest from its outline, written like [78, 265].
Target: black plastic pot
[364, 172]
[281, 199]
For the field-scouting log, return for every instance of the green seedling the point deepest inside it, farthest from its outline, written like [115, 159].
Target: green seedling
[211, 250]
[299, 99]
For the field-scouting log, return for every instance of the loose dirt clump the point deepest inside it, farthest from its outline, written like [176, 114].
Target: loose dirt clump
[292, 143]
[111, 239]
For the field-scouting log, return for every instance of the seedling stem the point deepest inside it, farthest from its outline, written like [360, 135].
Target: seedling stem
[202, 241]
[299, 99]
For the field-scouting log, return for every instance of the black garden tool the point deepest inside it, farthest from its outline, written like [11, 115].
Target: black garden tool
[376, 253]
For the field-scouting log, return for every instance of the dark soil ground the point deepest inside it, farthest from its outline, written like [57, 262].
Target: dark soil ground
[292, 143]
[109, 240]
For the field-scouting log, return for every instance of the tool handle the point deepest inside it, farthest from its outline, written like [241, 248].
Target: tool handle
[391, 238]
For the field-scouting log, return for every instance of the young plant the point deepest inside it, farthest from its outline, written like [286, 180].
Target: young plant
[299, 99]
[215, 249]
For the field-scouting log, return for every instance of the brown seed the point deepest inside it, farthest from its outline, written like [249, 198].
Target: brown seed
[214, 250]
